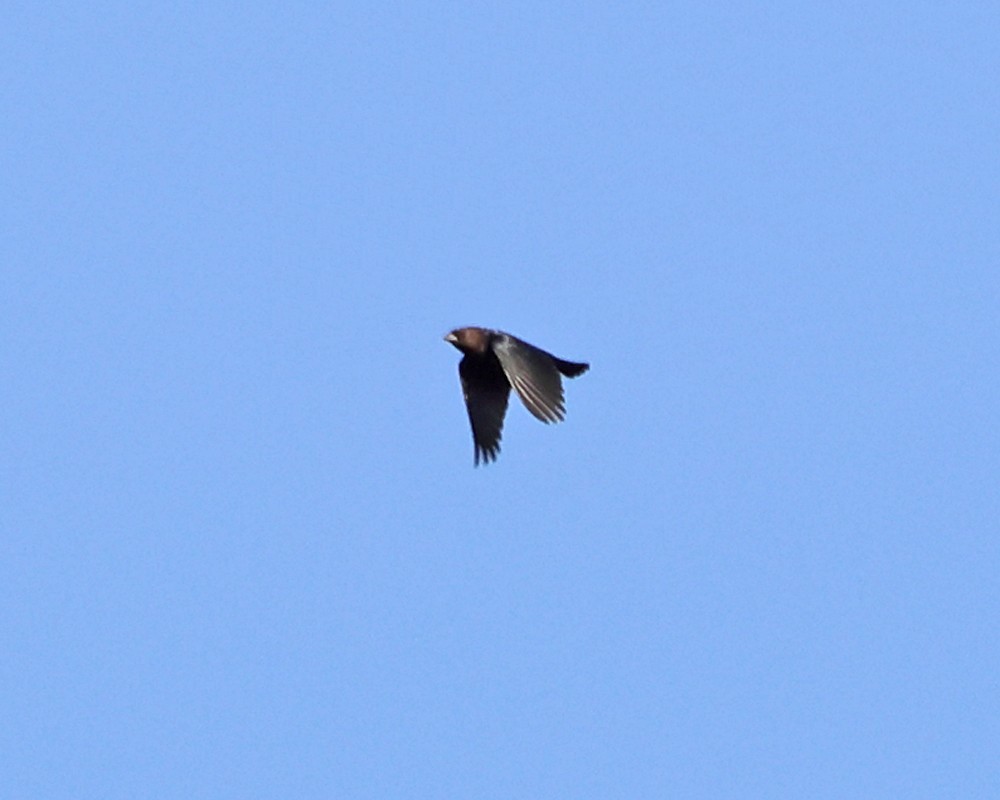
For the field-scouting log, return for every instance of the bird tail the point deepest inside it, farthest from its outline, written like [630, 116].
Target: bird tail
[570, 368]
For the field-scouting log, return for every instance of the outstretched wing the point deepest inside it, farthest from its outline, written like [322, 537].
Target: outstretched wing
[486, 394]
[533, 374]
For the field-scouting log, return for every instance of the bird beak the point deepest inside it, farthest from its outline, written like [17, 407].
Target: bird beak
[451, 338]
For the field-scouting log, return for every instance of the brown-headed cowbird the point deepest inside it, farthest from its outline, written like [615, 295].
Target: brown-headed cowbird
[494, 361]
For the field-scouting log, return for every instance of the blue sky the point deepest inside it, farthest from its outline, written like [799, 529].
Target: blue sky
[244, 550]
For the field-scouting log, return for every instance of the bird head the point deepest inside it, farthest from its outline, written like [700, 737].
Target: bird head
[469, 340]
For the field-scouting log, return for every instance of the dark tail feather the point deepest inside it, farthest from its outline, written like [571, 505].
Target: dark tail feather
[570, 368]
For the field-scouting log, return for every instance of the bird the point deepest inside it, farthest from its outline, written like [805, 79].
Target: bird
[493, 362]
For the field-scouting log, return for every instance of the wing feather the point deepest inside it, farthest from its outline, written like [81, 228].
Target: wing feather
[533, 374]
[486, 392]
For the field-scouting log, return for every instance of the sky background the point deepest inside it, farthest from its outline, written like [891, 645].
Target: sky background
[244, 550]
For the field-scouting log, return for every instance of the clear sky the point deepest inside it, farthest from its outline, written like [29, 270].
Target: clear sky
[244, 550]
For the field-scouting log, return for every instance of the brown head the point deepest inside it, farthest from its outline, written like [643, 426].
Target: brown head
[470, 340]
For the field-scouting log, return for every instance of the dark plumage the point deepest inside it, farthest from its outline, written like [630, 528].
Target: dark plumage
[493, 361]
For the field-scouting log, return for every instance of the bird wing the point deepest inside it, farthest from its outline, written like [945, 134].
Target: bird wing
[533, 374]
[486, 393]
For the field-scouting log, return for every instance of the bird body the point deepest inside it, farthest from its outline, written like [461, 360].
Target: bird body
[492, 363]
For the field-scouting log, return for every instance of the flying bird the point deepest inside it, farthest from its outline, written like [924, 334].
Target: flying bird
[492, 362]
